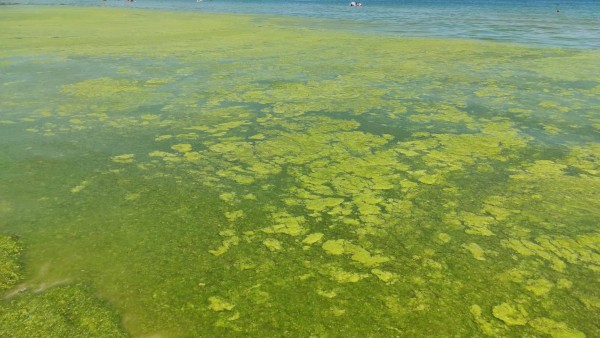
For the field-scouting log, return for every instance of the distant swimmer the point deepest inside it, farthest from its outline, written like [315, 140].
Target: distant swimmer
[355, 4]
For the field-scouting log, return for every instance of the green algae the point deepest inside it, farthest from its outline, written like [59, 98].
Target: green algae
[233, 216]
[327, 294]
[227, 196]
[343, 276]
[219, 304]
[225, 245]
[102, 87]
[356, 253]
[377, 186]
[477, 252]
[510, 315]
[554, 329]
[563, 283]
[286, 224]
[558, 249]
[313, 238]
[125, 158]
[477, 224]
[539, 287]
[62, 311]
[334, 247]
[444, 237]
[10, 262]
[182, 147]
[485, 326]
[385, 276]
[272, 244]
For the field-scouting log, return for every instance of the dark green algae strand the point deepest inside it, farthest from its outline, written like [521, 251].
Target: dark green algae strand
[10, 262]
[60, 311]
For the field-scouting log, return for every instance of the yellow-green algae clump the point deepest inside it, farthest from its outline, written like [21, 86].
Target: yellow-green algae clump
[356, 253]
[219, 304]
[510, 315]
[477, 252]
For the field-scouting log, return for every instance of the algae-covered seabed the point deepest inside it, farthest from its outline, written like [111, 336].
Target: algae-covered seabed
[187, 175]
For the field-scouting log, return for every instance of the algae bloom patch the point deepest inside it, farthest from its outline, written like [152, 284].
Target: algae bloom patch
[188, 174]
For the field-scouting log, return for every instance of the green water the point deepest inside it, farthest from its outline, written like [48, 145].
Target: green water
[189, 175]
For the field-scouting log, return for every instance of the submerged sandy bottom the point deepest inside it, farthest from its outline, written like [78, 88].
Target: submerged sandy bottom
[185, 175]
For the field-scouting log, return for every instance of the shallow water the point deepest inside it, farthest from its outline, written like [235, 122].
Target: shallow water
[217, 175]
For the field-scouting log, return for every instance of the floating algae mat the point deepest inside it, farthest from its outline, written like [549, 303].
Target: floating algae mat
[190, 175]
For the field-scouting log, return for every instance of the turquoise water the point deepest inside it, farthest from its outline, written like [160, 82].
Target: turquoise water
[191, 174]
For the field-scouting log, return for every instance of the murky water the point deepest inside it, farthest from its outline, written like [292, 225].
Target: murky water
[186, 175]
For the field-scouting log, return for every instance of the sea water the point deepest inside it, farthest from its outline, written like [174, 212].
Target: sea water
[574, 23]
[168, 172]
